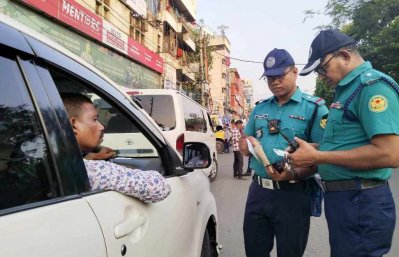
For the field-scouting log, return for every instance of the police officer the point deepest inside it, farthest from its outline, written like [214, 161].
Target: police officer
[278, 203]
[358, 150]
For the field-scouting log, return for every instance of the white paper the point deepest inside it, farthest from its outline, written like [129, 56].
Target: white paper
[280, 152]
[252, 150]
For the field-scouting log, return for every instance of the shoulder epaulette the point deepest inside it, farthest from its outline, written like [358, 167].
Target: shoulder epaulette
[263, 100]
[314, 99]
[369, 78]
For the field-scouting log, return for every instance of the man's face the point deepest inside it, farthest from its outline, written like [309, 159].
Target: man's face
[283, 86]
[88, 130]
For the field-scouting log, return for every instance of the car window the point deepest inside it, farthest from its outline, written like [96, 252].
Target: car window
[193, 116]
[25, 167]
[120, 133]
[160, 108]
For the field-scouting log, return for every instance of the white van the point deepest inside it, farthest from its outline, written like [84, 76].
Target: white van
[180, 118]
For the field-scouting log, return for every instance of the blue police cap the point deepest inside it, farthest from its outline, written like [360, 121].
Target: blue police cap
[327, 41]
[276, 61]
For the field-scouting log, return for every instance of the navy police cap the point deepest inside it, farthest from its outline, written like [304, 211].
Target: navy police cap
[276, 61]
[327, 41]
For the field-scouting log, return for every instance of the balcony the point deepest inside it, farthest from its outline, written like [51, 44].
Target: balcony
[187, 9]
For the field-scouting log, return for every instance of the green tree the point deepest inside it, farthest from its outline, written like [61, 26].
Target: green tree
[324, 91]
[194, 57]
[374, 24]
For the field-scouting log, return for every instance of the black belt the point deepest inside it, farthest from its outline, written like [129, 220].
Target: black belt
[299, 185]
[352, 184]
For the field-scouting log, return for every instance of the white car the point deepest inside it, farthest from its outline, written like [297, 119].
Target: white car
[46, 205]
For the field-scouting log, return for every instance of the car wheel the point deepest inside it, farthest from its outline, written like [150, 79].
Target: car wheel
[214, 170]
[219, 147]
[207, 248]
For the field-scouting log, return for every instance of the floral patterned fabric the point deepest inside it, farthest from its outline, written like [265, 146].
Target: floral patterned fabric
[148, 186]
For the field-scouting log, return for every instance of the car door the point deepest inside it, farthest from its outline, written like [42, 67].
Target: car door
[130, 226]
[41, 211]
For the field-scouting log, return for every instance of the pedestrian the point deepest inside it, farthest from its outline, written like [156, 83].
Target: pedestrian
[278, 204]
[227, 138]
[358, 150]
[238, 159]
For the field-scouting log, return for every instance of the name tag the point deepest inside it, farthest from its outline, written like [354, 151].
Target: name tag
[261, 116]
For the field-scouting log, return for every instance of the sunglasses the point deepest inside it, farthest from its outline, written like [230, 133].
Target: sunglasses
[273, 78]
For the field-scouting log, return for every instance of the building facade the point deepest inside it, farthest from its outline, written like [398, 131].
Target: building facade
[138, 44]
[237, 98]
[219, 74]
[249, 99]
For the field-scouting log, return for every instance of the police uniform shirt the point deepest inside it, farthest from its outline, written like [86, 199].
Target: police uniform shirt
[294, 117]
[376, 107]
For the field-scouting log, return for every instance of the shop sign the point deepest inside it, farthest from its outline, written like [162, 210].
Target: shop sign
[89, 23]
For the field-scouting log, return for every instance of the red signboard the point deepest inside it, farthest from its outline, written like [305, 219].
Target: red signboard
[81, 18]
[86, 21]
[48, 6]
[144, 55]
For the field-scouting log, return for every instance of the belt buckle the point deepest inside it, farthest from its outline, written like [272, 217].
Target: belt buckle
[267, 183]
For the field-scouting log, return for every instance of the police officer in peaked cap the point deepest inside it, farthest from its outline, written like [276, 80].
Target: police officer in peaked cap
[359, 148]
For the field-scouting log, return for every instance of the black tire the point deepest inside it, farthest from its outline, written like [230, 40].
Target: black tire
[206, 250]
[219, 146]
[214, 170]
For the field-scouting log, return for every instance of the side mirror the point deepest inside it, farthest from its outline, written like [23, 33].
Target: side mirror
[196, 156]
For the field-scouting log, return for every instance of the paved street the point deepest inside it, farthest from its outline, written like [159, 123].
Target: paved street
[231, 195]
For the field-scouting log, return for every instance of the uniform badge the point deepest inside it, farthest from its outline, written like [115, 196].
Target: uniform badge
[323, 123]
[378, 103]
[270, 62]
[259, 133]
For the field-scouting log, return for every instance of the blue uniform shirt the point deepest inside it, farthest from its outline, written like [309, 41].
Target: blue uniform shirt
[295, 116]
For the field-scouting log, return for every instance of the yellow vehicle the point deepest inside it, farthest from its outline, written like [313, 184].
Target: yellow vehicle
[220, 141]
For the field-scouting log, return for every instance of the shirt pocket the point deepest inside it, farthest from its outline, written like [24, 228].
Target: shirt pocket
[298, 126]
[334, 130]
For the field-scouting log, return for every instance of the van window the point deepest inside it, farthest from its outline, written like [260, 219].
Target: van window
[25, 167]
[193, 116]
[161, 110]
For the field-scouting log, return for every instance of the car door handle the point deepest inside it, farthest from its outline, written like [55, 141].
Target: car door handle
[129, 226]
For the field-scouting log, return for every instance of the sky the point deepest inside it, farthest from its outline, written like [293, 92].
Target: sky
[258, 26]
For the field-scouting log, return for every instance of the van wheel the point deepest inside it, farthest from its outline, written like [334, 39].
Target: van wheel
[214, 170]
[219, 146]
[207, 249]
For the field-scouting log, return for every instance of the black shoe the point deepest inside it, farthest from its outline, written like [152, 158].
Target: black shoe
[241, 178]
[247, 174]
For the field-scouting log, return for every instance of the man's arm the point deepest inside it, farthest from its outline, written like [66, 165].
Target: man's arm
[104, 154]
[148, 186]
[381, 153]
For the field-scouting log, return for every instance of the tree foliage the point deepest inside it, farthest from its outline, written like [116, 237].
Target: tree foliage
[374, 24]
[194, 57]
[324, 91]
